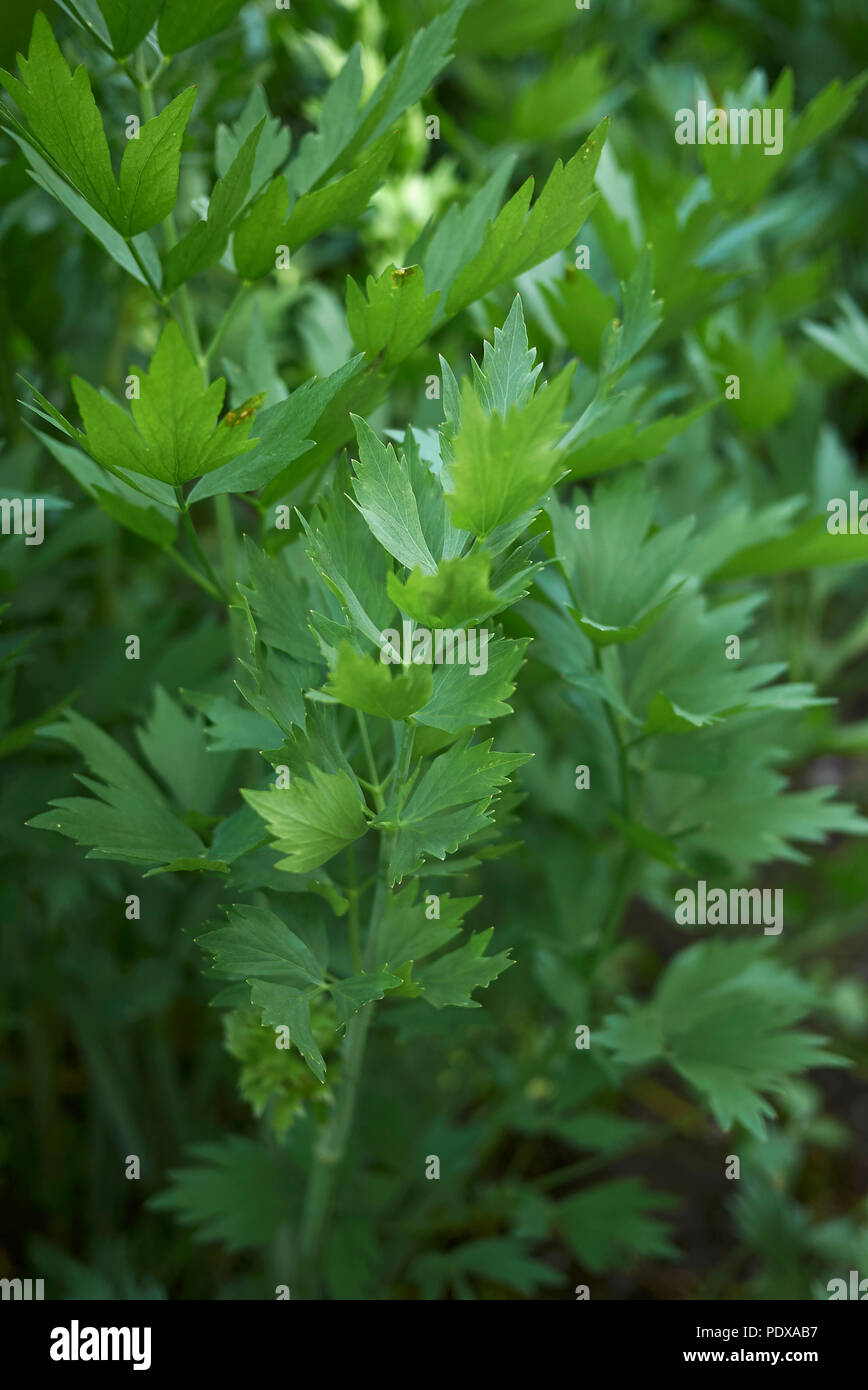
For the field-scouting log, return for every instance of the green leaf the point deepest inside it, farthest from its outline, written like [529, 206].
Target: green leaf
[808, 546]
[435, 812]
[312, 819]
[847, 339]
[469, 696]
[128, 21]
[273, 147]
[173, 434]
[457, 592]
[507, 376]
[150, 167]
[174, 744]
[281, 436]
[614, 1221]
[238, 1193]
[602, 449]
[617, 602]
[503, 466]
[63, 116]
[458, 235]
[183, 24]
[156, 521]
[722, 1015]
[365, 683]
[320, 150]
[260, 232]
[395, 317]
[101, 230]
[205, 243]
[407, 931]
[642, 314]
[353, 994]
[451, 979]
[285, 1006]
[387, 502]
[131, 821]
[519, 238]
[342, 201]
[256, 943]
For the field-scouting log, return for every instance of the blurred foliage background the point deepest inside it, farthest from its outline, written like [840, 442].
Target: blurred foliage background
[109, 1045]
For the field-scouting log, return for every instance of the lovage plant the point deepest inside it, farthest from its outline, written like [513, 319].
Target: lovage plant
[482, 670]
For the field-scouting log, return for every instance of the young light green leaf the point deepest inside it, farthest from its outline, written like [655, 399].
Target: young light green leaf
[503, 466]
[367, 684]
[312, 819]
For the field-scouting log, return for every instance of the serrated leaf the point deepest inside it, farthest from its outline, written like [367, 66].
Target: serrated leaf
[354, 993]
[256, 943]
[722, 1016]
[435, 812]
[282, 431]
[386, 500]
[285, 1006]
[312, 819]
[173, 434]
[469, 696]
[503, 466]
[342, 201]
[521, 237]
[237, 1193]
[457, 592]
[127, 818]
[63, 116]
[149, 169]
[451, 979]
[393, 316]
[408, 933]
[614, 1221]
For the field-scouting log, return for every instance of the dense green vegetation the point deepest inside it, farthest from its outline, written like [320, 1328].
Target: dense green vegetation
[332, 965]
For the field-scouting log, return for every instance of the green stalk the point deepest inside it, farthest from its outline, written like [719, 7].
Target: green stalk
[331, 1145]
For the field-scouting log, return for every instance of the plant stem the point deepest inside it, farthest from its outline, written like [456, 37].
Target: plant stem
[238, 299]
[330, 1147]
[193, 573]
